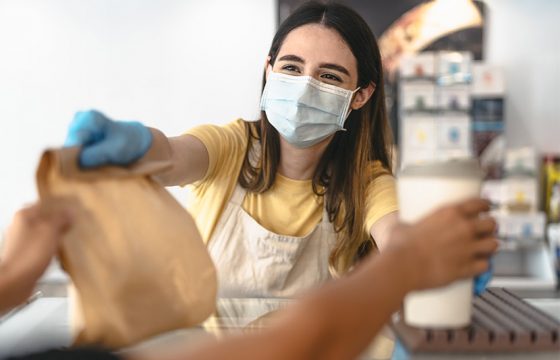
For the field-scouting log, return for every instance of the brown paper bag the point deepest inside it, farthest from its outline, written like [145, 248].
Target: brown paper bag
[134, 254]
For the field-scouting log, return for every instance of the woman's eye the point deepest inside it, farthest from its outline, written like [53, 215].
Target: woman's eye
[331, 77]
[291, 68]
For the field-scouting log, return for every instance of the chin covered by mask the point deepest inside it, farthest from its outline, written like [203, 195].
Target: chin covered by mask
[304, 110]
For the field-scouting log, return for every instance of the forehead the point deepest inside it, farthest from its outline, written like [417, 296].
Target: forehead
[316, 43]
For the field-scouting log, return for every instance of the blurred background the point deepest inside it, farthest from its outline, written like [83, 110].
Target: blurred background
[464, 78]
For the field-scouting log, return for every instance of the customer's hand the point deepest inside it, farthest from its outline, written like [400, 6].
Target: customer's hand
[105, 141]
[451, 243]
[32, 239]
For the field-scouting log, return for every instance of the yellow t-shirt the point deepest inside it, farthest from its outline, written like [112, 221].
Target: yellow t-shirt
[289, 208]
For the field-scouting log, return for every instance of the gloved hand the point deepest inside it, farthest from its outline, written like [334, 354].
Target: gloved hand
[482, 280]
[105, 141]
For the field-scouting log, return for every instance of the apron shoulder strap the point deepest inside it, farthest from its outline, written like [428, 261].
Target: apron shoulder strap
[238, 195]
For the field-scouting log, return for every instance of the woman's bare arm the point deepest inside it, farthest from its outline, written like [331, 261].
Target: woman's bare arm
[382, 228]
[187, 154]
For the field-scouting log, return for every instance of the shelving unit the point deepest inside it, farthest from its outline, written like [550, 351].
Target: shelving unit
[434, 112]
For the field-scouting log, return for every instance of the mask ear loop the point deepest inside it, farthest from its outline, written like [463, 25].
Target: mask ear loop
[349, 108]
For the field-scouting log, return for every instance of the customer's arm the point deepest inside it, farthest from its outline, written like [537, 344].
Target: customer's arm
[354, 313]
[31, 241]
[339, 320]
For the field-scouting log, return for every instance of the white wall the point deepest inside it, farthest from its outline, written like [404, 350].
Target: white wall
[523, 37]
[176, 63]
[171, 64]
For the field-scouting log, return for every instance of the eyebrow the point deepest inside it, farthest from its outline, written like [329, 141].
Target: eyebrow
[331, 66]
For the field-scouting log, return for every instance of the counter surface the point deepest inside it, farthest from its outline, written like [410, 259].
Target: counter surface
[44, 324]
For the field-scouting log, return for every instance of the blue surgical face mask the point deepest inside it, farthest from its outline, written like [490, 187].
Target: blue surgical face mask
[304, 110]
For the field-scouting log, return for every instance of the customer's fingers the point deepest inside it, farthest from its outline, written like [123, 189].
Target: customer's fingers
[57, 213]
[485, 247]
[27, 214]
[474, 206]
[485, 225]
[477, 267]
[61, 220]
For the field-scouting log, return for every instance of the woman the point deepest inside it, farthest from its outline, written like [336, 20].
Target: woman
[297, 197]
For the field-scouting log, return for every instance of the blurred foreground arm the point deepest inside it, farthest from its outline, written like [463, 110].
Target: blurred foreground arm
[339, 320]
[31, 241]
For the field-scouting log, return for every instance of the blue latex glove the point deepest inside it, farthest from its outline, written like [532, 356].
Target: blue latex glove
[482, 280]
[105, 141]
[399, 351]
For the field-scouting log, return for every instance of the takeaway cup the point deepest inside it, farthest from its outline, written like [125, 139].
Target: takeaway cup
[421, 189]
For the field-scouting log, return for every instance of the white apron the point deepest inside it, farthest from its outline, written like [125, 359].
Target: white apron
[252, 261]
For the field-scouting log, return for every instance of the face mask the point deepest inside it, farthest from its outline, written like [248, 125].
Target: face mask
[304, 110]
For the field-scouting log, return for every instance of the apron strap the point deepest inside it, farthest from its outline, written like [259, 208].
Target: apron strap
[238, 195]
[326, 224]
[325, 218]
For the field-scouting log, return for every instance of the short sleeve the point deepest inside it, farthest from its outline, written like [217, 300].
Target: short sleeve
[381, 196]
[223, 144]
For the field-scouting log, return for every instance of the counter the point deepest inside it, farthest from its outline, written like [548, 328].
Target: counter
[44, 324]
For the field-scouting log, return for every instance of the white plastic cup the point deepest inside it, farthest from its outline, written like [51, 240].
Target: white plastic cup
[421, 190]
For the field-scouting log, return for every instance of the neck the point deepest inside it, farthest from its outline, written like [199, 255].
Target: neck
[300, 164]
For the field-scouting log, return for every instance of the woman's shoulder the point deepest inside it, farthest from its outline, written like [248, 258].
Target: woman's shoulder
[227, 136]
[236, 128]
[376, 169]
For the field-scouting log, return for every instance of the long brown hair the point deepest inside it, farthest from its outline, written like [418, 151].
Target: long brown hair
[344, 170]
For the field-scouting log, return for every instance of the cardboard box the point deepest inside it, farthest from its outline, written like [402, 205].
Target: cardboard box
[521, 160]
[454, 132]
[487, 80]
[419, 132]
[520, 225]
[454, 97]
[521, 193]
[418, 65]
[453, 67]
[418, 139]
[454, 137]
[418, 96]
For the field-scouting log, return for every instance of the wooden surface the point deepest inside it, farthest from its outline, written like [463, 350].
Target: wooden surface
[501, 322]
